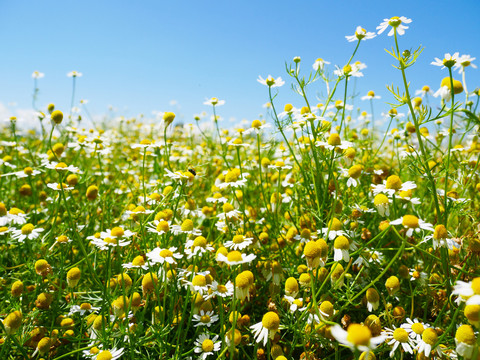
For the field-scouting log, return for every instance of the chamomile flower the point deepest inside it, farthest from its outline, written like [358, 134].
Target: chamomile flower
[370, 96]
[37, 74]
[159, 227]
[116, 232]
[112, 354]
[319, 64]
[270, 81]
[205, 318]
[397, 24]
[465, 341]
[28, 231]
[74, 74]
[334, 141]
[235, 258]
[448, 61]
[360, 34]
[205, 346]
[58, 187]
[341, 248]
[424, 91]
[356, 337]
[214, 102]
[412, 223]
[221, 290]
[267, 328]
[238, 242]
[414, 328]
[197, 246]
[295, 304]
[468, 291]
[398, 337]
[160, 256]
[427, 343]
[463, 62]
[137, 263]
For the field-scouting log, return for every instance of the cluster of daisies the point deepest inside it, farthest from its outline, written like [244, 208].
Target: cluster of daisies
[307, 232]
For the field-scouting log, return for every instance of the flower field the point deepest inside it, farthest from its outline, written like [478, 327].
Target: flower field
[312, 233]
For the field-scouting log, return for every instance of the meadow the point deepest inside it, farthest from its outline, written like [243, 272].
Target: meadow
[311, 233]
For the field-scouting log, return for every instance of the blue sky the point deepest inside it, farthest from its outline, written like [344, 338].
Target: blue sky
[140, 55]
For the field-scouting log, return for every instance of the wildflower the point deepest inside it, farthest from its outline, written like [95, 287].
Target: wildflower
[58, 187]
[37, 74]
[74, 74]
[334, 229]
[112, 354]
[319, 64]
[295, 304]
[235, 258]
[396, 23]
[243, 283]
[356, 337]
[425, 345]
[414, 328]
[73, 277]
[360, 34]
[223, 291]
[397, 337]
[392, 185]
[239, 242]
[468, 291]
[334, 141]
[57, 117]
[256, 126]
[392, 284]
[448, 61]
[373, 299]
[214, 102]
[382, 202]
[291, 287]
[205, 318]
[159, 256]
[312, 253]
[425, 90]
[370, 96]
[412, 223]
[206, 346]
[271, 82]
[341, 247]
[463, 62]
[28, 231]
[267, 328]
[465, 341]
[12, 322]
[159, 227]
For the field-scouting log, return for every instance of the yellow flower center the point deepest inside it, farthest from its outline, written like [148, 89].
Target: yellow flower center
[85, 306]
[118, 231]
[394, 182]
[227, 207]
[311, 250]
[341, 243]
[200, 241]
[380, 199]
[238, 239]
[207, 345]
[222, 289]
[187, 225]
[166, 253]
[138, 261]
[400, 335]
[199, 280]
[429, 336]
[163, 226]
[410, 221]
[372, 295]
[358, 334]
[256, 124]
[334, 140]
[394, 21]
[472, 312]
[234, 256]
[105, 355]
[335, 224]
[355, 171]
[327, 308]
[232, 176]
[476, 285]
[27, 229]
[205, 319]
[271, 321]
[465, 335]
